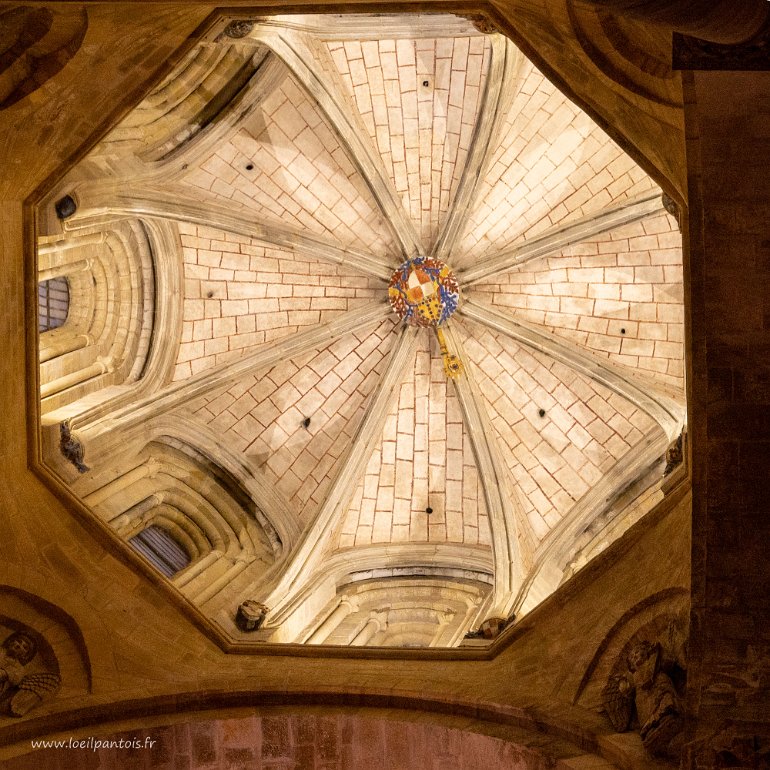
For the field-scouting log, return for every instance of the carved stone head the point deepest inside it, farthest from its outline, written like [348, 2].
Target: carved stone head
[21, 647]
[250, 616]
[642, 655]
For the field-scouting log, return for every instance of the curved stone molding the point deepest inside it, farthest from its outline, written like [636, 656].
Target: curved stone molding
[35, 44]
[106, 339]
[553, 240]
[209, 92]
[312, 545]
[654, 615]
[106, 354]
[43, 654]
[105, 433]
[664, 409]
[301, 737]
[282, 527]
[429, 611]
[505, 70]
[102, 204]
[182, 162]
[170, 484]
[596, 520]
[511, 547]
[299, 59]
[624, 50]
[302, 617]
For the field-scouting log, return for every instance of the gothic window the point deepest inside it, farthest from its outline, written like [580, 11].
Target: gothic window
[161, 550]
[53, 301]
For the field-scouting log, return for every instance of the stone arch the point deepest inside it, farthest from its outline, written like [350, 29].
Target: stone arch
[353, 586]
[106, 338]
[408, 610]
[107, 353]
[647, 614]
[61, 645]
[36, 44]
[166, 482]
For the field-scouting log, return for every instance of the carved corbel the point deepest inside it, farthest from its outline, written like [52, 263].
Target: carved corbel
[71, 447]
[250, 615]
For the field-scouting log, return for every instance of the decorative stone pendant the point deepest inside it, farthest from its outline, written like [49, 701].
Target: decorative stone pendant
[423, 291]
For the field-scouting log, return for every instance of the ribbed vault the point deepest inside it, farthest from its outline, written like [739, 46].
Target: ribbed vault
[318, 445]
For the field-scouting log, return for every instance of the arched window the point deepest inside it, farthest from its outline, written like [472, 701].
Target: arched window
[53, 302]
[161, 550]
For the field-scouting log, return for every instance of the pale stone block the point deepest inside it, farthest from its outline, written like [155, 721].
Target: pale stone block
[285, 396]
[454, 465]
[363, 535]
[616, 446]
[385, 504]
[638, 347]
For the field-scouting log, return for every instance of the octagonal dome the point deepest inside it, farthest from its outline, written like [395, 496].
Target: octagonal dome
[232, 394]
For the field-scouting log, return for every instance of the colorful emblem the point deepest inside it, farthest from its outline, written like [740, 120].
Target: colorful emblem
[423, 292]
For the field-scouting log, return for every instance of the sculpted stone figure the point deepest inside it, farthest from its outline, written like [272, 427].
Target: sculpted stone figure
[250, 615]
[20, 690]
[645, 695]
[71, 448]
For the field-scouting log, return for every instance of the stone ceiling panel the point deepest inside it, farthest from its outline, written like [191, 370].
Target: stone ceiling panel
[240, 293]
[618, 294]
[287, 164]
[419, 101]
[552, 165]
[193, 97]
[262, 415]
[425, 460]
[554, 458]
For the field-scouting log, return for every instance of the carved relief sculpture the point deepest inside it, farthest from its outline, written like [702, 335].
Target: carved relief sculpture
[674, 455]
[71, 448]
[644, 692]
[23, 685]
[250, 615]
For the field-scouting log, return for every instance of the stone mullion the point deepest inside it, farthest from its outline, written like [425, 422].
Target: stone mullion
[560, 237]
[329, 623]
[366, 632]
[664, 409]
[502, 79]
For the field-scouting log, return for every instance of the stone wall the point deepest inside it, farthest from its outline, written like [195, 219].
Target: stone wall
[293, 742]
